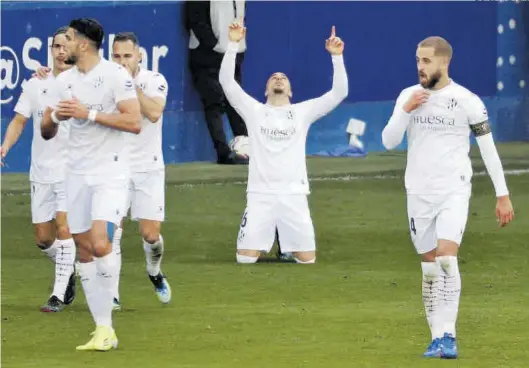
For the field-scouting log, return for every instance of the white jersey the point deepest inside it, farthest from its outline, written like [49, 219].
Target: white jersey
[146, 148]
[439, 138]
[92, 147]
[48, 157]
[277, 135]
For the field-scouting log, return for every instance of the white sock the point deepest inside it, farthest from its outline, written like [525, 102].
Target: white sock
[430, 297]
[106, 275]
[116, 249]
[246, 259]
[51, 251]
[88, 274]
[450, 290]
[64, 266]
[153, 256]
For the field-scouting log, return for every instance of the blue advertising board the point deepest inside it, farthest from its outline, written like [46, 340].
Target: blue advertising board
[289, 36]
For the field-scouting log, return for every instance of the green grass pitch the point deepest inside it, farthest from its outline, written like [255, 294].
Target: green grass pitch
[359, 306]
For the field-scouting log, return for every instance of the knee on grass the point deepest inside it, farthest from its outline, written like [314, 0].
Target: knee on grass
[304, 257]
[247, 256]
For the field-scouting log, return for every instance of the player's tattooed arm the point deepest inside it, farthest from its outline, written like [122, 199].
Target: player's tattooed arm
[480, 129]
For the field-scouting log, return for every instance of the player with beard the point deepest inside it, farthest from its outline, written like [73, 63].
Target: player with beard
[46, 174]
[277, 180]
[99, 100]
[147, 181]
[438, 115]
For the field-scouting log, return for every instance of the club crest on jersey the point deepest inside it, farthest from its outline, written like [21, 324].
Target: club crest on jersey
[162, 88]
[98, 82]
[128, 84]
[286, 114]
[452, 104]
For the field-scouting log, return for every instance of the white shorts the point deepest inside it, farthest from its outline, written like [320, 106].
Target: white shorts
[94, 197]
[146, 196]
[437, 216]
[290, 214]
[46, 201]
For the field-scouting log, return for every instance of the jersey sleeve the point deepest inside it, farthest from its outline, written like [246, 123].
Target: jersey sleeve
[476, 111]
[401, 100]
[238, 99]
[124, 88]
[316, 108]
[157, 86]
[24, 105]
[478, 119]
[393, 133]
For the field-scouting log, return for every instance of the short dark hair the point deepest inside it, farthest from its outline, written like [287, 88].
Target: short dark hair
[61, 30]
[89, 28]
[127, 36]
[440, 45]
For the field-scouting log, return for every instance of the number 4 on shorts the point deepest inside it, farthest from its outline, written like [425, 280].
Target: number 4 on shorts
[412, 226]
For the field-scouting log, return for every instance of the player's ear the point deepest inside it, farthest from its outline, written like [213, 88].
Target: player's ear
[446, 61]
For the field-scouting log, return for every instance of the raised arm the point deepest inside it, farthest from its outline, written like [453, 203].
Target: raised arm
[318, 107]
[398, 123]
[240, 100]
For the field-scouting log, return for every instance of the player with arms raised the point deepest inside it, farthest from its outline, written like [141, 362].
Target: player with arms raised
[99, 99]
[438, 115]
[46, 174]
[147, 184]
[277, 181]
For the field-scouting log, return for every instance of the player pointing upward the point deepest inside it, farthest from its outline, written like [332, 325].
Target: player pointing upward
[438, 115]
[277, 180]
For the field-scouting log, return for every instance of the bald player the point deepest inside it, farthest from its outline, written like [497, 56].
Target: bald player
[277, 180]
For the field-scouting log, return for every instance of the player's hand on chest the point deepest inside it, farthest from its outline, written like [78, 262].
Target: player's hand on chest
[94, 92]
[447, 105]
[441, 111]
